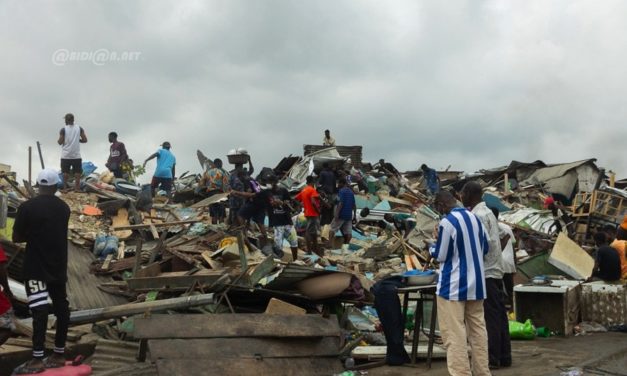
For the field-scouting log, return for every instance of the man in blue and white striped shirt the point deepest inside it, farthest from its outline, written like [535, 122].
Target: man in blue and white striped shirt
[461, 246]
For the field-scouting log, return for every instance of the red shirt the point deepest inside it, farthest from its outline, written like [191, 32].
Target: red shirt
[305, 197]
[5, 304]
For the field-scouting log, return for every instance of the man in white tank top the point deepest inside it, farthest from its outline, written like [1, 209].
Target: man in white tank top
[70, 138]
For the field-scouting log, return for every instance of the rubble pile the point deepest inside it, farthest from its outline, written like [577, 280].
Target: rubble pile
[168, 258]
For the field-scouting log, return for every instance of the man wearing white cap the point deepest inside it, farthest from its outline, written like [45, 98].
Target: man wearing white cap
[42, 222]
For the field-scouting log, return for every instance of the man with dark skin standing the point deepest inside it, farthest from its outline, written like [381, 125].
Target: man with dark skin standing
[70, 138]
[311, 204]
[499, 345]
[42, 222]
[345, 214]
[328, 140]
[461, 246]
[117, 155]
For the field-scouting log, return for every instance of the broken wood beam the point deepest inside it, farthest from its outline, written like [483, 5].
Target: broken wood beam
[235, 325]
[165, 224]
[173, 282]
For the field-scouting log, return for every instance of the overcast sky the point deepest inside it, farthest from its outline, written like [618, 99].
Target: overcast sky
[471, 84]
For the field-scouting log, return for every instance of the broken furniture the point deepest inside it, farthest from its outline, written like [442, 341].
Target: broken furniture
[555, 306]
[421, 295]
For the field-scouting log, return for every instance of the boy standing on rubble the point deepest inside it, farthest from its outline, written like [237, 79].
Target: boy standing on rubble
[117, 155]
[311, 205]
[345, 214]
[70, 138]
[42, 222]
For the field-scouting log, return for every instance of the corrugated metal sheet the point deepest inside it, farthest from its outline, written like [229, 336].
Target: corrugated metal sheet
[82, 286]
[352, 152]
[112, 358]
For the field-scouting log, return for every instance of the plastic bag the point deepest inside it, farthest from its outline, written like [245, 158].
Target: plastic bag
[519, 330]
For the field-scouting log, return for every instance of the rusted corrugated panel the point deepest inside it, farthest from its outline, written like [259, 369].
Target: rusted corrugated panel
[82, 285]
[118, 358]
[352, 152]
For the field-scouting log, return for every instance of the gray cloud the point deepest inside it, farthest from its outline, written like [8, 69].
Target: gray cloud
[468, 84]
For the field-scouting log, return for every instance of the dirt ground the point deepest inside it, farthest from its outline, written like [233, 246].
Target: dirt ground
[596, 353]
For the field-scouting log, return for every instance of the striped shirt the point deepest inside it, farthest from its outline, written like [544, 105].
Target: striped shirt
[461, 246]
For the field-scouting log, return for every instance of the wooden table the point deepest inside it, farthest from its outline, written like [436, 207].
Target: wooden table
[425, 294]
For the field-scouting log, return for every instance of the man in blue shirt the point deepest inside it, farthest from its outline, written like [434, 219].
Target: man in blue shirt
[164, 173]
[461, 246]
[345, 213]
[431, 178]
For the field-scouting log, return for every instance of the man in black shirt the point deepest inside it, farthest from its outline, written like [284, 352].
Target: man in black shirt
[42, 222]
[607, 260]
[255, 206]
[280, 218]
[327, 184]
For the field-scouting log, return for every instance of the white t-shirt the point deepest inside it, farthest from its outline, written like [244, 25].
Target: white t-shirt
[509, 264]
[71, 148]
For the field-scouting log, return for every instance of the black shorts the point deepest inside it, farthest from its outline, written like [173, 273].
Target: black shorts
[72, 165]
[164, 183]
[250, 211]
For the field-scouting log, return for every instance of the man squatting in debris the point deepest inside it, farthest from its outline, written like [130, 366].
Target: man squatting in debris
[70, 138]
[499, 345]
[42, 222]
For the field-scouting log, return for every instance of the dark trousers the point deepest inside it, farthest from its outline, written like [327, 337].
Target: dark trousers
[499, 346]
[508, 281]
[388, 306]
[38, 293]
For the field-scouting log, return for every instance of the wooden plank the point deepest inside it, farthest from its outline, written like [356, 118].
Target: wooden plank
[210, 200]
[206, 255]
[279, 307]
[378, 352]
[253, 367]
[153, 231]
[261, 270]
[235, 325]
[121, 250]
[107, 262]
[409, 263]
[173, 282]
[219, 348]
[151, 270]
[118, 221]
[165, 224]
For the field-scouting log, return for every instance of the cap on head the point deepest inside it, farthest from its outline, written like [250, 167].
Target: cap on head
[166, 145]
[48, 177]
